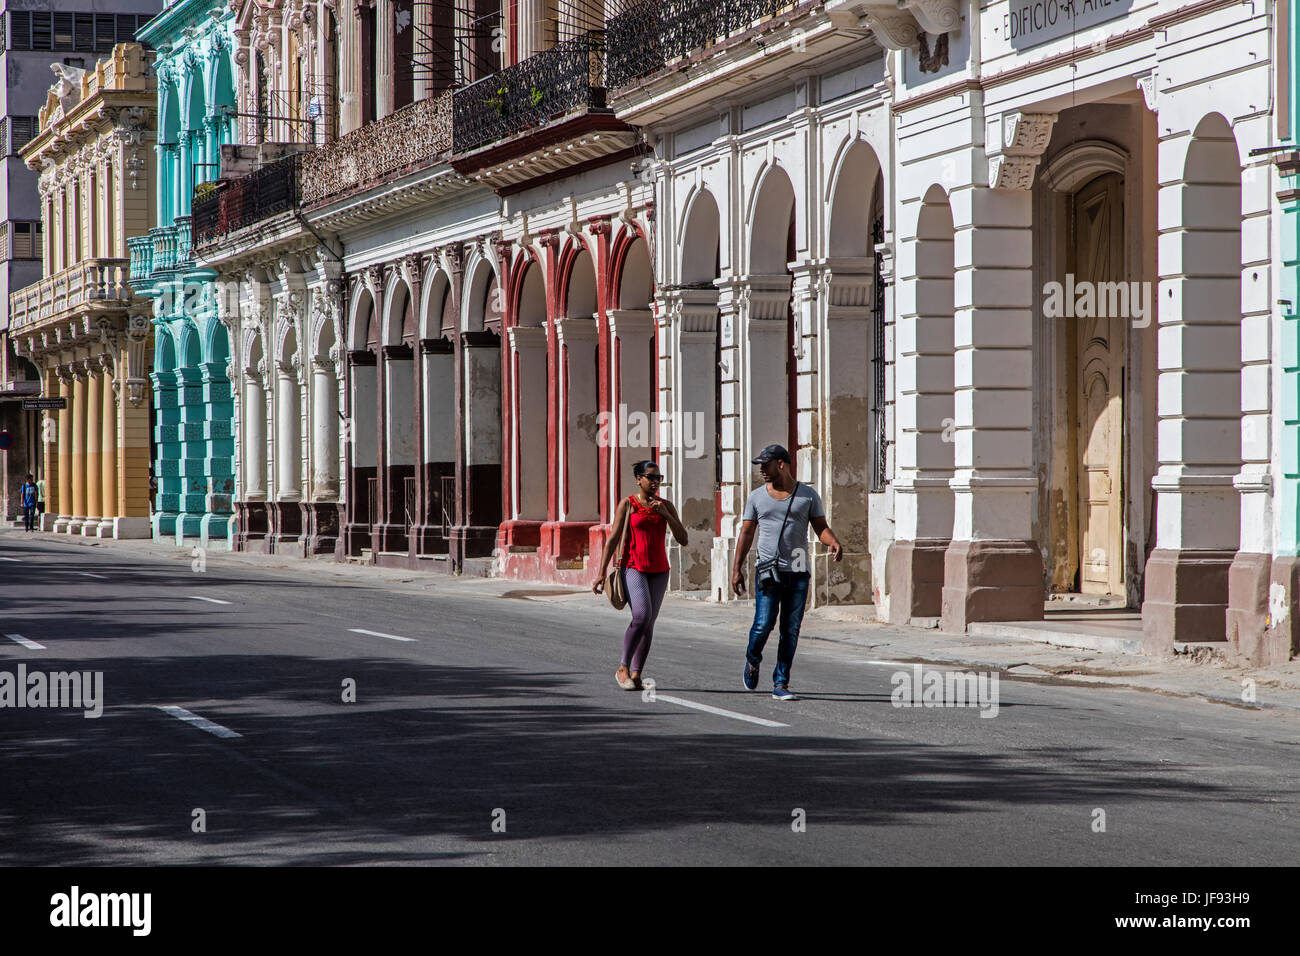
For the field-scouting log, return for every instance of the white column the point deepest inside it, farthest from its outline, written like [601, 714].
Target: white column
[288, 448]
[254, 409]
[325, 431]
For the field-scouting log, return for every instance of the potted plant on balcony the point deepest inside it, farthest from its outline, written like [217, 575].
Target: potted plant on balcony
[498, 99]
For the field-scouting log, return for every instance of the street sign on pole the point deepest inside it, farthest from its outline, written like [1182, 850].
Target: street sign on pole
[38, 404]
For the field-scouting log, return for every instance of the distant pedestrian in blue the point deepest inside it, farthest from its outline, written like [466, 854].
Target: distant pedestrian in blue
[27, 495]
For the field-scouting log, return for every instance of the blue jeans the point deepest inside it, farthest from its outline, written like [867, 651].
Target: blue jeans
[786, 599]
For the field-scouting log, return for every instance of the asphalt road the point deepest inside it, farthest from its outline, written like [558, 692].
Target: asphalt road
[502, 713]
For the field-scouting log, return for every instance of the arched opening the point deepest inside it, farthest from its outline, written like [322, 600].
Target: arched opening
[400, 438]
[196, 163]
[362, 424]
[528, 368]
[481, 403]
[438, 419]
[772, 367]
[634, 426]
[169, 164]
[576, 335]
[693, 459]
[852, 381]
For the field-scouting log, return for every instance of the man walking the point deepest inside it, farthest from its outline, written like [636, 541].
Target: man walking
[780, 511]
[27, 495]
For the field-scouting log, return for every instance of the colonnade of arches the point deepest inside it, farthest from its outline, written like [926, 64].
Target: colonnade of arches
[775, 317]
[424, 409]
[580, 392]
[193, 460]
[290, 437]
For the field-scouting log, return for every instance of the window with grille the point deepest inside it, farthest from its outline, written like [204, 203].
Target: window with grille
[15, 132]
[68, 32]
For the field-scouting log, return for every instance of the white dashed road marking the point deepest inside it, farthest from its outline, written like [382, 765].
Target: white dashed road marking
[391, 637]
[195, 597]
[708, 709]
[30, 645]
[194, 720]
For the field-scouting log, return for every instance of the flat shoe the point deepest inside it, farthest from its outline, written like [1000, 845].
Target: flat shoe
[627, 684]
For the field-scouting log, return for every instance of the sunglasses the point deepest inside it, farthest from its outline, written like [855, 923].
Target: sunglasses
[655, 478]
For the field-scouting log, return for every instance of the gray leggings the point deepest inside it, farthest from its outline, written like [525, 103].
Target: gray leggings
[645, 592]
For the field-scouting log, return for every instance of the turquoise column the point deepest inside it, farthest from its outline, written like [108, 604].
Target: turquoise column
[167, 419]
[1288, 504]
[219, 449]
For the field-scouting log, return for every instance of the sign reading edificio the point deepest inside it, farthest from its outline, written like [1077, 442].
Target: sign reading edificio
[1026, 23]
[38, 404]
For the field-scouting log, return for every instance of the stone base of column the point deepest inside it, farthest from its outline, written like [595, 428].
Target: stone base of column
[471, 541]
[392, 538]
[356, 538]
[75, 525]
[1186, 598]
[847, 581]
[325, 520]
[720, 560]
[215, 531]
[1249, 576]
[428, 539]
[49, 522]
[1282, 639]
[991, 581]
[286, 535]
[61, 523]
[915, 577]
[90, 527]
[122, 528]
[692, 566]
[565, 543]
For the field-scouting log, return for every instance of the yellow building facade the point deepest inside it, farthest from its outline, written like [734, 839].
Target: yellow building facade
[80, 325]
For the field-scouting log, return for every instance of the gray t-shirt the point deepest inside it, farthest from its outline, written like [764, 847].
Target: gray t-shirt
[769, 513]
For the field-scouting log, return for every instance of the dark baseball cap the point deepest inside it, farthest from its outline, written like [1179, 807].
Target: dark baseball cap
[772, 453]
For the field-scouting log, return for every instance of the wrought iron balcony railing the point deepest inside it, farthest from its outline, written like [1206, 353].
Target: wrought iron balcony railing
[568, 77]
[650, 35]
[238, 203]
[415, 135]
[91, 281]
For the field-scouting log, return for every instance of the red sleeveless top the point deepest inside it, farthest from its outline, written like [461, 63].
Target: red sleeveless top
[645, 547]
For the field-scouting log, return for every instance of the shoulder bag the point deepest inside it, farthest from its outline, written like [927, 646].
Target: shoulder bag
[615, 583]
[765, 572]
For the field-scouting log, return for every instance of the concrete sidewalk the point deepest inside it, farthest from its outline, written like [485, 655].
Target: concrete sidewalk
[1273, 688]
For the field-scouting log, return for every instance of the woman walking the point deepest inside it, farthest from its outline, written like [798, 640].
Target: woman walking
[639, 526]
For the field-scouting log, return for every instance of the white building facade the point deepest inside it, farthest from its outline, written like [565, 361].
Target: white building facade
[1086, 251]
[772, 159]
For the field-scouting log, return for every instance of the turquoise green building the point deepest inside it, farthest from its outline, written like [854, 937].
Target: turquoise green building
[193, 431]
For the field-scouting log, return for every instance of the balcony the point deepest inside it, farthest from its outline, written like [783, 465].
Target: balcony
[650, 35]
[670, 58]
[415, 136]
[235, 204]
[540, 116]
[91, 283]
